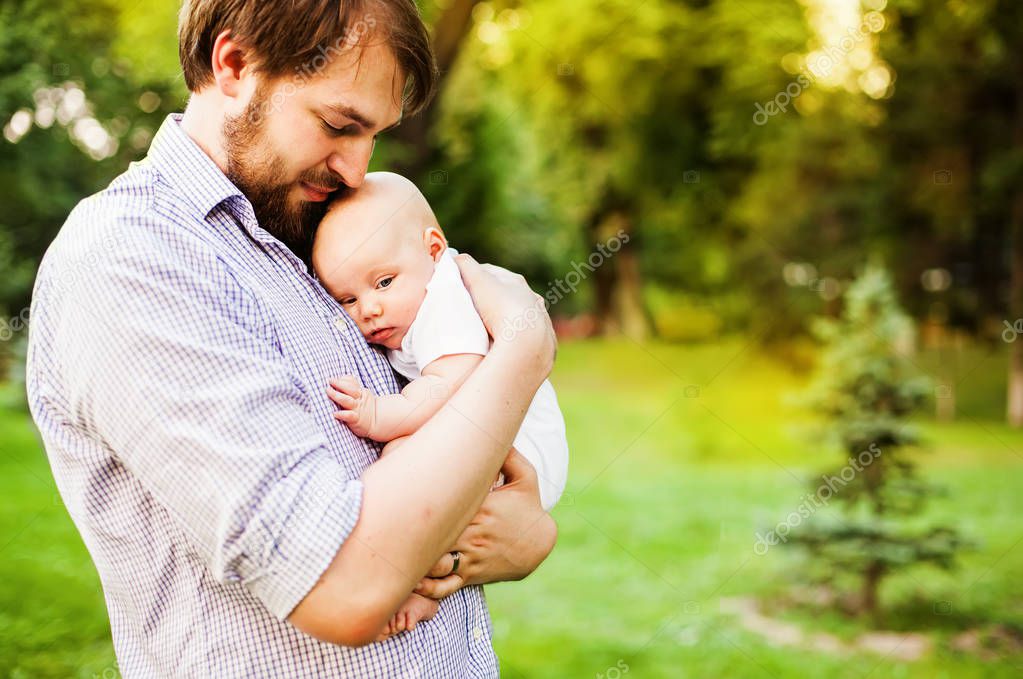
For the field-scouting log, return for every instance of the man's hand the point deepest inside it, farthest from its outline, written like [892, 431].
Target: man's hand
[513, 314]
[507, 539]
[358, 404]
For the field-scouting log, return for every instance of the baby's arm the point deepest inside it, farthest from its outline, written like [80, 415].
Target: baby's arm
[384, 418]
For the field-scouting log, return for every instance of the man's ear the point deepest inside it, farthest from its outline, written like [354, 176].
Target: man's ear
[230, 65]
[433, 239]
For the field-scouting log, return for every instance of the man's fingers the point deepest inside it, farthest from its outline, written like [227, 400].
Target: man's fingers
[469, 268]
[443, 567]
[438, 588]
[517, 468]
[502, 274]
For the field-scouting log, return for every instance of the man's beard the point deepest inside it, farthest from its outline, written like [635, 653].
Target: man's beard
[254, 168]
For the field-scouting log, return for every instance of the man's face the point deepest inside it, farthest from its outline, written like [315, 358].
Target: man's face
[301, 138]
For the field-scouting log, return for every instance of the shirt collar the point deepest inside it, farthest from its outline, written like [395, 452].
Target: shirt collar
[197, 180]
[193, 174]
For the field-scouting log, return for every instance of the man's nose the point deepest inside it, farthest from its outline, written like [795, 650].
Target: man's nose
[351, 162]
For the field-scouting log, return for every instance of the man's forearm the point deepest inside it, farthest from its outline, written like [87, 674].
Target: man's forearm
[417, 501]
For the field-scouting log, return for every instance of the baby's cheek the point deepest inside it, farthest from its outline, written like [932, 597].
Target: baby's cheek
[409, 307]
[410, 312]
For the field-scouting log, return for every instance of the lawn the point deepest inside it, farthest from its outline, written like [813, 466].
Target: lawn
[680, 454]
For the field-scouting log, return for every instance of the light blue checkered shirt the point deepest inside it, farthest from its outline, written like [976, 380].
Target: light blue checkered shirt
[177, 364]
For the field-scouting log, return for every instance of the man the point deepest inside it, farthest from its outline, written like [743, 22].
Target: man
[179, 356]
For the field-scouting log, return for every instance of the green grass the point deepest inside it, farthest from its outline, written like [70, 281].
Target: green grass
[680, 453]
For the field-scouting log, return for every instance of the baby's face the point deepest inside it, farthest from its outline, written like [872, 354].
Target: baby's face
[374, 257]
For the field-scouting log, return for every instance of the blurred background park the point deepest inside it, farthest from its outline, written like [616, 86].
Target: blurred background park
[783, 245]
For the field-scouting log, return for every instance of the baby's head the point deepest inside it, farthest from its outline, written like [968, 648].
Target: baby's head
[375, 251]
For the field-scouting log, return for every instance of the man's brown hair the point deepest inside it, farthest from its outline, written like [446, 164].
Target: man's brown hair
[293, 37]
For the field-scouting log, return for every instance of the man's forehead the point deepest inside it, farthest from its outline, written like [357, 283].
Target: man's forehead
[366, 85]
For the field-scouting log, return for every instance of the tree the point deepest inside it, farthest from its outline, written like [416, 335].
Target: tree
[953, 177]
[74, 115]
[598, 98]
[865, 391]
[447, 35]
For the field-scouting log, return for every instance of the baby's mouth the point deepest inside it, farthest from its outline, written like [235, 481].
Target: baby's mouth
[380, 335]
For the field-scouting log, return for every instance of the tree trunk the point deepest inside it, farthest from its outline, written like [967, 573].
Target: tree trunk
[618, 288]
[871, 581]
[1014, 400]
[630, 312]
[447, 37]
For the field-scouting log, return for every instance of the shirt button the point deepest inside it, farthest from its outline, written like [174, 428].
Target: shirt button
[477, 633]
[339, 323]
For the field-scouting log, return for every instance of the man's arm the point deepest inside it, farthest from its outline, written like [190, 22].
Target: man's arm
[169, 362]
[507, 540]
[418, 501]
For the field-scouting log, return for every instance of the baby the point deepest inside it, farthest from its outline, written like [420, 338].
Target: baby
[380, 252]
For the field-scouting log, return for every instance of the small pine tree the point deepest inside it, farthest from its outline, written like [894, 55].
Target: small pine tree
[866, 392]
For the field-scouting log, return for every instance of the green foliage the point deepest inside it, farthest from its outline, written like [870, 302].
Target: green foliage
[484, 196]
[864, 385]
[953, 162]
[866, 393]
[559, 118]
[58, 66]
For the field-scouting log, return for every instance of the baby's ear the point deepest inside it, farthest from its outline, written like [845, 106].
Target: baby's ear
[435, 242]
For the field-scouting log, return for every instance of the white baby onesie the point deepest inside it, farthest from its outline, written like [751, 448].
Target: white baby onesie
[446, 324]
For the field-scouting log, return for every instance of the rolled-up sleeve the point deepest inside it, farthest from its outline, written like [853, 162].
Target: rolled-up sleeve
[178, 375]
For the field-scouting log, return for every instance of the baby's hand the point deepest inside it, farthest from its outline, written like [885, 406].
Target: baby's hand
[358, 404]
[415, 609]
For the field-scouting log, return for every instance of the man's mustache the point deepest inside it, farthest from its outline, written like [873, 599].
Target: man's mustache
[329, 181]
